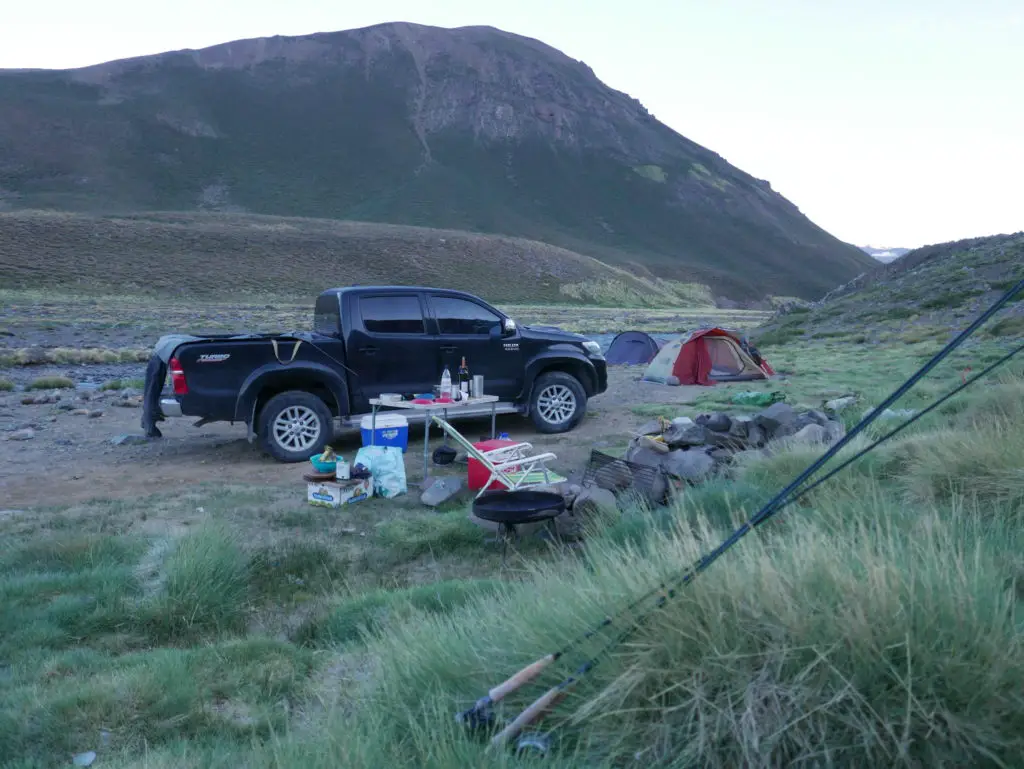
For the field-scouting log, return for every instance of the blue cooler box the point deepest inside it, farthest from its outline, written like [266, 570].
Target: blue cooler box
[392, 430]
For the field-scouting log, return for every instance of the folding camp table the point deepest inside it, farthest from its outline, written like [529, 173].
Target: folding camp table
[429, 409]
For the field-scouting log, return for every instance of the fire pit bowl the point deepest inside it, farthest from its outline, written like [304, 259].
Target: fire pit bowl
[509, 509]
[512, 508]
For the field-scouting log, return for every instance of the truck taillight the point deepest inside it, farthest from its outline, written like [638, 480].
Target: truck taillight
[177, 377]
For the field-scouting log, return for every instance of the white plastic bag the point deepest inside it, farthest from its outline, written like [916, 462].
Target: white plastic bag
[387, 466]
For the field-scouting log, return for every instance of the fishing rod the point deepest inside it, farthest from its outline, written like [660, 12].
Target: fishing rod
[480, 713]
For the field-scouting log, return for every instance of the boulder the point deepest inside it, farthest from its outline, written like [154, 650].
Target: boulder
[720, 423]
[693, 465]
[836, 430]
[740, 427]
[681, 434]
[22, 435]
[777, 420]
[818, 417]
[650, 428]
[95, 413]
[810, 434]
[641, 455]
[756, 437]
[838, 404]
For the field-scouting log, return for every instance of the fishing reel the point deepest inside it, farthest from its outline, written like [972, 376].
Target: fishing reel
[534, 743]
[480, 717]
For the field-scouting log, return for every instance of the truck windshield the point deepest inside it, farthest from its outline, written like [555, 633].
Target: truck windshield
[326, 315]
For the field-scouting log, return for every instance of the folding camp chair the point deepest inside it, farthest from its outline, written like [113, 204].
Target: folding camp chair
[512, 466]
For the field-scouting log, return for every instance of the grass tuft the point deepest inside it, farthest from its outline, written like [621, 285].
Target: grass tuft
[50, 383]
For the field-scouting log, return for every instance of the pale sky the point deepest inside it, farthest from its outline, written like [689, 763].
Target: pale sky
[888, 122]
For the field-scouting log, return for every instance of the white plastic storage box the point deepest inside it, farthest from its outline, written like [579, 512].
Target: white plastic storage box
[392, 430]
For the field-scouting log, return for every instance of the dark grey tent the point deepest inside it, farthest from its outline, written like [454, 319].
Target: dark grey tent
[634, 348]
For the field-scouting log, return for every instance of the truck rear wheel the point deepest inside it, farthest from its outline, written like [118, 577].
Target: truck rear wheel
[558, 402]
[295, 425]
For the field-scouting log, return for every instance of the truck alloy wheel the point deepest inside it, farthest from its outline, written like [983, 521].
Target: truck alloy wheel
[294, 425]
[297, 428]
[559, 402]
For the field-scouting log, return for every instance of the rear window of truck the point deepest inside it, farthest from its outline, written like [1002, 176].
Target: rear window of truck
[391, 314]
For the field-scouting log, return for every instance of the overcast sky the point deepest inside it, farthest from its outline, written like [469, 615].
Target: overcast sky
[888, 122]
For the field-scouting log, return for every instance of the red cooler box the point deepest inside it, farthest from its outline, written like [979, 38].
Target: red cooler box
[478, 474]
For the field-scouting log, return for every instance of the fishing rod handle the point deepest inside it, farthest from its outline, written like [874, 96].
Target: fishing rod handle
[529, 715]
[524, 676]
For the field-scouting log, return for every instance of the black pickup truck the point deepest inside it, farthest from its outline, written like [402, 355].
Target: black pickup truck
[368, 340]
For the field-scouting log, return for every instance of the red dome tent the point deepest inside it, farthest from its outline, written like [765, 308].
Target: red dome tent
[707, 356]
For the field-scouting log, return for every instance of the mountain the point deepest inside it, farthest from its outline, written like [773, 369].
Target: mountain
[927, 295]
[884, 255]
[466, 129]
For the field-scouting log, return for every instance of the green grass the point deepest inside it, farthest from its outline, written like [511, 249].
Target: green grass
[50, 383]
[6, 385]
[878, 617]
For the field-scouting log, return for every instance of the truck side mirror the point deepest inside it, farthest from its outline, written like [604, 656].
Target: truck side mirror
[508, 326]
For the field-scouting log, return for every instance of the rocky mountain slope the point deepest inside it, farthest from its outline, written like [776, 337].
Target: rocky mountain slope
[470, 129]
[927, 295]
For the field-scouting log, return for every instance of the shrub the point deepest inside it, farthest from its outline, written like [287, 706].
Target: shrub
[204, 584]
[6, 385]
[51, 383]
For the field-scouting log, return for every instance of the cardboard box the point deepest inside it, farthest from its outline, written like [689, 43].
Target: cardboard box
[333, 494]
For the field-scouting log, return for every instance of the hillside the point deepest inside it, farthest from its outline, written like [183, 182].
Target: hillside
[229, 256]
[926, 295]
[465, 129]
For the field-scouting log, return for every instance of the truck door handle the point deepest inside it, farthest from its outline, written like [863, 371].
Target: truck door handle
[447, 348]
[368, 350]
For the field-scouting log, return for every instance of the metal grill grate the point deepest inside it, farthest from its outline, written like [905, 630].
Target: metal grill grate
[622, 476]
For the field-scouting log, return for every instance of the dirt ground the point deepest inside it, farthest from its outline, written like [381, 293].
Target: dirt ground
[72, 458]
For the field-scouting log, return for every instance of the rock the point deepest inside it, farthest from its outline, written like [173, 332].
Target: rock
[693, 465]
[740, 427]
[777, 420]
[80, 412]
[672, 381]
[441, 490]
[836, 431]
[592, 500]
[42, 400]
[641, 455]
[129, 439]
[22, 435]
[95, 413]
[28, 400]
[720, 423]
[810, 434]
[756, 437]
[721, 455]
[651, 428]
[66, 406]
[819, 417]
[725, 441]
[838, 404]
[679, 435]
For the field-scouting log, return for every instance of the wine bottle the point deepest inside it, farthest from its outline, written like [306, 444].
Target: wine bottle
[464, 378]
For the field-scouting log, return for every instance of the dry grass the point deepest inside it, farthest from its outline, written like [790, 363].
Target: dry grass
[208, 255]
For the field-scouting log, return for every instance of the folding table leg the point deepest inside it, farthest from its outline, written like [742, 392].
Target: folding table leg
[494, 414]
[426, 444]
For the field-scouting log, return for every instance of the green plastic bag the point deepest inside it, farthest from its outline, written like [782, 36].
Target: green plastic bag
[758, 398]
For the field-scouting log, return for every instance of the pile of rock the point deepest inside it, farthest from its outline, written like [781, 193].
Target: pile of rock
[696, 449]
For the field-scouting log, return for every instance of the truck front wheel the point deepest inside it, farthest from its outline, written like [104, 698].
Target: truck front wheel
[558, 402]
[295, 425]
